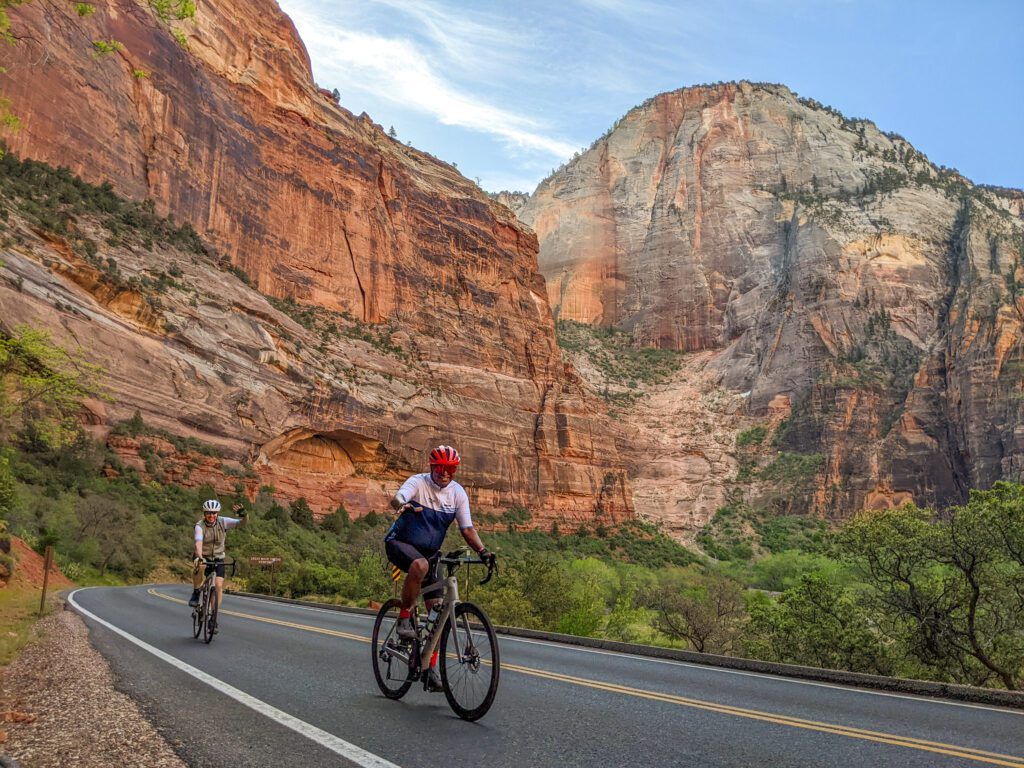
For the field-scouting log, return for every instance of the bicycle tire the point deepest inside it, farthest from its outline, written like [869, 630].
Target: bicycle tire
[197, 620]
[461, 676]
[384, 670]
[211, 615]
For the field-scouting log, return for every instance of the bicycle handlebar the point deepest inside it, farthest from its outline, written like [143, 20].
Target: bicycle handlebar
[459, 557]
[208, 561]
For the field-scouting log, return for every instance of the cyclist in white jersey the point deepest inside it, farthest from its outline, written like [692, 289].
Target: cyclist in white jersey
[428, 504]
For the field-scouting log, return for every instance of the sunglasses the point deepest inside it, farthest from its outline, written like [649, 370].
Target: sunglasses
[443, 469]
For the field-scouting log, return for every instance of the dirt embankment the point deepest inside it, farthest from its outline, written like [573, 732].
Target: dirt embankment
[29, 568]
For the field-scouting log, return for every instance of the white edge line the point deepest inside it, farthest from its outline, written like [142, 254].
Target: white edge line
[690, 665]
[323, 738]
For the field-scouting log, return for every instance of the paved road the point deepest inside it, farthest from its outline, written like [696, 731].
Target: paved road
[290, 685]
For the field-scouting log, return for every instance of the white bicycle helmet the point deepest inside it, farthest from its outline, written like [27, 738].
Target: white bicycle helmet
[211, 505]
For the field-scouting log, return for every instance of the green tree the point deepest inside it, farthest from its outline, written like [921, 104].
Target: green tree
[337, 522]
[301, 514]
[42, 386]
[949, 588]
[8, 494]
[709, 616]
[817, 623]
[114, 534]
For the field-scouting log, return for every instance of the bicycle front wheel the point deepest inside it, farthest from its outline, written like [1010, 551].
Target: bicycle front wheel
[197, 621]
[392, 671]
[469, 662]
[211, 615]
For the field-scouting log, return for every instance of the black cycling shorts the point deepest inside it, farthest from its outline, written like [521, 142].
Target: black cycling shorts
[218, 568]
[403, 555]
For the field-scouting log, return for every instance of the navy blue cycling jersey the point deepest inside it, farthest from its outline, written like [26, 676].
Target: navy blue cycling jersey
[423, 530]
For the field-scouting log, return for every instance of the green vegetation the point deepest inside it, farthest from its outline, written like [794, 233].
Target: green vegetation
[85, 9]
[170, 11]
[947, 590]
[623, 365]
[54, 199]
[41, 388]
[19, 606]
[332, 326]
[729, 534]
[136, 427]
[894, 592]
[173, 10]
[883, 361]
[8, 119]
[752, 436]
[106, 47]
[5, 20]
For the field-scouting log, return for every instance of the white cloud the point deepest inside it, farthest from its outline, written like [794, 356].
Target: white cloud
[397, 69]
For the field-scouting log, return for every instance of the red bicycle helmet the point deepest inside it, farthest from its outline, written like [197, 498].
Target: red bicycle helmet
[445, 456]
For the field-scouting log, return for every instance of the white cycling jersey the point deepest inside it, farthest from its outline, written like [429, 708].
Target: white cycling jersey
[452, 499]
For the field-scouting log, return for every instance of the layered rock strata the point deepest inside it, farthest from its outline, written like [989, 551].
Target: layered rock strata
[446, 329]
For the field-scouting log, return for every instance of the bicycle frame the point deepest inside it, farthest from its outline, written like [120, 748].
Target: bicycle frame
[448, 603]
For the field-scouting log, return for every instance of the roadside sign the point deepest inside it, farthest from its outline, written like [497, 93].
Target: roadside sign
[264, 560]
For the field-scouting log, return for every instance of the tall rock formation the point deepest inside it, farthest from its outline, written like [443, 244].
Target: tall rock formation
[866, 304]
[446, 332]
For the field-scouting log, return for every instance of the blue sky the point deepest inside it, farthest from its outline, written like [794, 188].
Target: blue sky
[509, 90]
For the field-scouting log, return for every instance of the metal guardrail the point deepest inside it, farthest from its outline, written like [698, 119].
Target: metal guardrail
[992, 696]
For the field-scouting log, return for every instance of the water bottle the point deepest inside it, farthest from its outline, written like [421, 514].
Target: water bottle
[432, 617]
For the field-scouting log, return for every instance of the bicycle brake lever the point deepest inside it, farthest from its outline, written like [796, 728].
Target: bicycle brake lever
[491, 570]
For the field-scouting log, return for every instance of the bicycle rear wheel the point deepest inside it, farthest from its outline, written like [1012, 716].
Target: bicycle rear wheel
[470, 665]
[211, 615]
[394, 677]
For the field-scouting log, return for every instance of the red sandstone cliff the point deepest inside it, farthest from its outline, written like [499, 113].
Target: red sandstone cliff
[450, 337]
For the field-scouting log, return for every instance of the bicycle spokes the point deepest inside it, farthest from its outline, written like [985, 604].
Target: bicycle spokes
[391, 657]
[469, 662]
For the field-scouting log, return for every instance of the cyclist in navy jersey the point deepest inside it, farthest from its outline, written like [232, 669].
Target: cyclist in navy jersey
[428, 504]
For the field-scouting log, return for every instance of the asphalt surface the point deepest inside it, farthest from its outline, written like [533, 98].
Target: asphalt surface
[556, 705]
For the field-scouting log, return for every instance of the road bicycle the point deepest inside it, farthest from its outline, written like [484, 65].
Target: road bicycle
[468, 655]
[204, 615]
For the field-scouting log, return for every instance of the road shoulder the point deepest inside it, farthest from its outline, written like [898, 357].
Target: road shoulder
[81, 719]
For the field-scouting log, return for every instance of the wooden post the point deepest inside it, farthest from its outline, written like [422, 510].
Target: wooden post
[47, 563]
[273, 570]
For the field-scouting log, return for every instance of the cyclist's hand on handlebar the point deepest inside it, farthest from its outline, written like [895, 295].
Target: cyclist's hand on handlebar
[488, 558]
[197, 561]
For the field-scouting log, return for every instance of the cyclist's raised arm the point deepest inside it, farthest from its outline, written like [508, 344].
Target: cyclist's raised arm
[236, 522]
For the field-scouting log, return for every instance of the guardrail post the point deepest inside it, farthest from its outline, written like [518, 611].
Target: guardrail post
[47, 563]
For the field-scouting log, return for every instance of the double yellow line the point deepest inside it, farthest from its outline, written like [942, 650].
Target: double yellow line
[937, 747]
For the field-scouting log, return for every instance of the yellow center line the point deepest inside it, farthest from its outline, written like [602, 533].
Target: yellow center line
[841, 730]
[952, 750]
